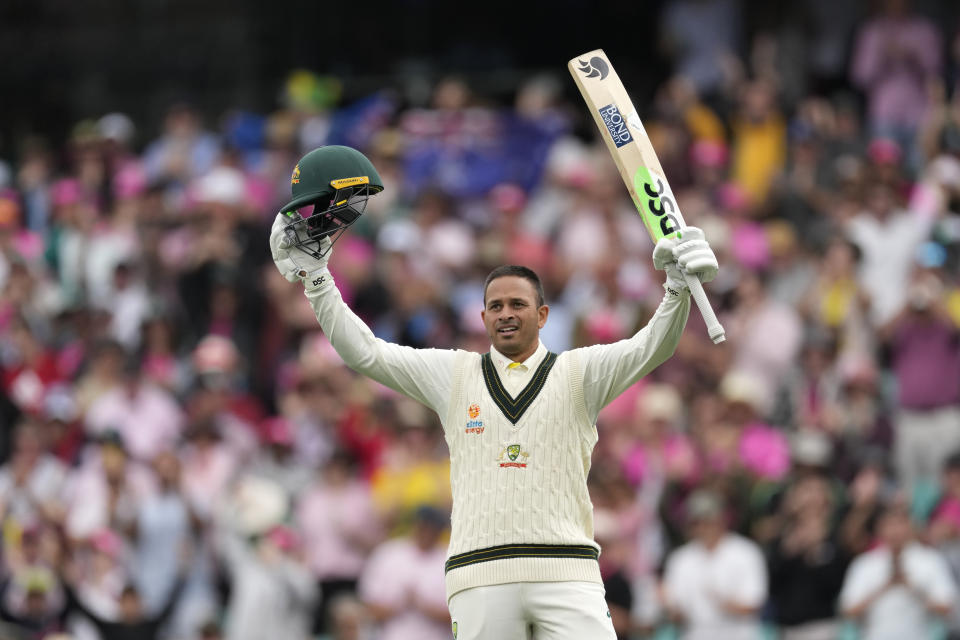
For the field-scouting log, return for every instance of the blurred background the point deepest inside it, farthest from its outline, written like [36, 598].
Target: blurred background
[185, 457]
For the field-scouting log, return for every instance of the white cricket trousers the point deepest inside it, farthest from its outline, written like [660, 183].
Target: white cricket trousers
[532, 611]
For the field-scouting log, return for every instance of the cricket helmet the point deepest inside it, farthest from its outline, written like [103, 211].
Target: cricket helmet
[330, 188]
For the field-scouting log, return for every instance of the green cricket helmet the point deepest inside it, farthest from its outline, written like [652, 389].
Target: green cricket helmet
[330, 188]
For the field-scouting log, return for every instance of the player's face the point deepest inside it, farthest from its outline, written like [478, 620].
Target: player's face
[512, 318]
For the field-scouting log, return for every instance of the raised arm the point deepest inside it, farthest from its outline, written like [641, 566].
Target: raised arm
[422, 374]
[610, 368]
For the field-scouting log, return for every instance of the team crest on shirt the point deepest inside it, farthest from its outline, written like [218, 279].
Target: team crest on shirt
[454, 630]
[513, 455]
[474, 424]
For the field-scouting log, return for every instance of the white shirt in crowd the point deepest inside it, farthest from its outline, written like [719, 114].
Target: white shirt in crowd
[697, 579]
[899, 611]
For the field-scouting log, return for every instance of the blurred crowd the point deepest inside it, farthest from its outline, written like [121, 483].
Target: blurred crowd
[185, 457]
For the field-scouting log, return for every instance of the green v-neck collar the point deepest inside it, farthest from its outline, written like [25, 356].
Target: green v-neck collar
[514, 408]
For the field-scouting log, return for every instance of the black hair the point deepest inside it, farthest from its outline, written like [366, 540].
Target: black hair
[952, 463]
[515, 270]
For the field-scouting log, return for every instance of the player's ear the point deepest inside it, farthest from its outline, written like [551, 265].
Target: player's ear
[542, 314]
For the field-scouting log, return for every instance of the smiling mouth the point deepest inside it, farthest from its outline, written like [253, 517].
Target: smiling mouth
[507, 331]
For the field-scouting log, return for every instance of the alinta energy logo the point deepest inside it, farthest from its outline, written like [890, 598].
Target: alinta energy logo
[597, 67]
[474, 424]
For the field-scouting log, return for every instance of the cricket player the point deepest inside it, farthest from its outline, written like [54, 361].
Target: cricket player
[520, 421]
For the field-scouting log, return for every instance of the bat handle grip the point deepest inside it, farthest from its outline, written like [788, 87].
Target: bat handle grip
[714, 328]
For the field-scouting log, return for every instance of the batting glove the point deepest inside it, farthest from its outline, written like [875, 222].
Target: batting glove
[694, 255]
[664, 260]
[294, 264]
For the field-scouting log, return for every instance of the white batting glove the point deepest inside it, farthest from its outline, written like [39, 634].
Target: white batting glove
[664, 260]
[694, 255]
[294, 264]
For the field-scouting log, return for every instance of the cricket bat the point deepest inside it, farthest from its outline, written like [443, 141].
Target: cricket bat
[637, 161]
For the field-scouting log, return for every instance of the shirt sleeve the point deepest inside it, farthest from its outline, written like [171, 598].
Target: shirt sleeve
[422, 374]
[608, 369]
[856, 586]
[673, 583]
[750, 588]
[938, 583]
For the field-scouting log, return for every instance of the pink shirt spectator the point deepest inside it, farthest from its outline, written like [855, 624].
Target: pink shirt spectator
[675, 458]
[150, 420]
[397, 571]
[764, 451]
[948, 512]
[893, 60]
[336, 522]
[206, 475]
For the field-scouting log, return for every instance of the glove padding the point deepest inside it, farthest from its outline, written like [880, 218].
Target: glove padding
[694, 255]
[292, 263]
[664, 260]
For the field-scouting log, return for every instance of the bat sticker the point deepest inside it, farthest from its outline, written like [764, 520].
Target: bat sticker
[657, 203]
[595, 68]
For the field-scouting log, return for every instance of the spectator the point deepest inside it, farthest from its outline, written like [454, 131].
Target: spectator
[765, 335]
[183, 151]
[272, 592]
[132, 623]
[415, 469]
[276, 460]
[900, 588]
[895, 56]
[943, 530]
[925, 353]
[340, 526]
[349, 619]
[807, 562]
[111, 486]
[209, 468]
[888, 237]
[702, 36]
[759, 141]
[31, 595]
[402, 584]
[146, 416]
[698, 591]
[162, 538]
[32, 482]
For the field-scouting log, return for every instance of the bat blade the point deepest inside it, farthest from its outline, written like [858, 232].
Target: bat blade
[636, 160]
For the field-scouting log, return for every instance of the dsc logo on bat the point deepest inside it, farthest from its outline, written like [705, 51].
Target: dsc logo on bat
[656, 199]
[616, 125]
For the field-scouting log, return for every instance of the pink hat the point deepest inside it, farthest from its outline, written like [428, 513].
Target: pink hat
[65, 192]
[107, 541]
[751, 245]
[283, 537]
[709, 153]
[129, 182]
[508, 198]
[884, 151]
[215, 354]
[277, 430]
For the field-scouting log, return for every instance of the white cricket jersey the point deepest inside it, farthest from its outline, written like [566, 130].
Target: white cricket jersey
[520, 438]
